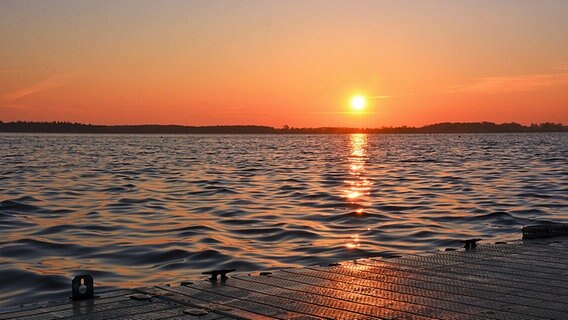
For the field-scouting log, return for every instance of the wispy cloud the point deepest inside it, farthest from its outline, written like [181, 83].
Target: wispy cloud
[513, 83]
[562, 67]
[47, 84]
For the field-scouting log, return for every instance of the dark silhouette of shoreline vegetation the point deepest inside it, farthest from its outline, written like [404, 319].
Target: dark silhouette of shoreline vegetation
[446, 127]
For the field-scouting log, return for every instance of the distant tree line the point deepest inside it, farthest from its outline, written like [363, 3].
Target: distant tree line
[74, 127]
[446, 127]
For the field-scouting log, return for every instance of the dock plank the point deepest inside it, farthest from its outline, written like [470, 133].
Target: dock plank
[488, 271]
[173, 313]
[452, 282]
[125, 309]
[66, 305]
[507, 281]
[207, 300]
[236, 289]
[263, 307]
[434, 303]
[498, 265]
[545, 252]
[85, 309]
[389, 305]
[520, 260]
[317, 304]
[469, 295]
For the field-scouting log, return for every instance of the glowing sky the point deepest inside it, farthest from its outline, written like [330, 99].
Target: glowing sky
[283, 62]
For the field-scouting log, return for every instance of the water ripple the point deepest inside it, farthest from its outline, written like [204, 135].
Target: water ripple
[136, 210]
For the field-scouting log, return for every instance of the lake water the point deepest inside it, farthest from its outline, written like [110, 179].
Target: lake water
[134, 210]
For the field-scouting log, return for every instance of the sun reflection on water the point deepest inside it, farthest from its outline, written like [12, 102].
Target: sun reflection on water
[358, 187]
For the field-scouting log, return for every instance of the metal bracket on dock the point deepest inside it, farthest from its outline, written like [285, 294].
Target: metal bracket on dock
[545, 230]
[82, 287]
[215, 273]
[470, 244]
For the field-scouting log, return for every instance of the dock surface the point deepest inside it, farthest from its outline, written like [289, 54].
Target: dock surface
[501, 281]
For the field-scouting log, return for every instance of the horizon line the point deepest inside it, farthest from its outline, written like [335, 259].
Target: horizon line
[285, 126]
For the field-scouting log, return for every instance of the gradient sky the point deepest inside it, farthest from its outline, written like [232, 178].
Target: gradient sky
[283, 62]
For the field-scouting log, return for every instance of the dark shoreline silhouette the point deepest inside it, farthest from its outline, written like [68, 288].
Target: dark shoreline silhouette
[446, 127]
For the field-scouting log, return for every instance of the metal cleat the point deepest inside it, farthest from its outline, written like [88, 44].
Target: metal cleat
[470, 244]
[215, 273]
[82, 287]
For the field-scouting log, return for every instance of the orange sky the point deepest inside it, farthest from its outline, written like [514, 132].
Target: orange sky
[283, 62]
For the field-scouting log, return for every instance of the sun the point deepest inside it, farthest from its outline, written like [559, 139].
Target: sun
[358, 103]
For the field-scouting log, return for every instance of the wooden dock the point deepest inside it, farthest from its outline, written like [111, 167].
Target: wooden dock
[501, 281]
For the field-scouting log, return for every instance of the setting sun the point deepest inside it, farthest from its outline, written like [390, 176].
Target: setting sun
[358, 103]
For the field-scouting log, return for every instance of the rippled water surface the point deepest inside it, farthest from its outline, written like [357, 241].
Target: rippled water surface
[133, 210]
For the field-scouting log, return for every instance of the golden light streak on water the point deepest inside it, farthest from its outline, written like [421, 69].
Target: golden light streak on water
[358, 186]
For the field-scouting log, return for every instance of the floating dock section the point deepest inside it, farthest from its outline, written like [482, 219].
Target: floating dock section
[502, 281]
